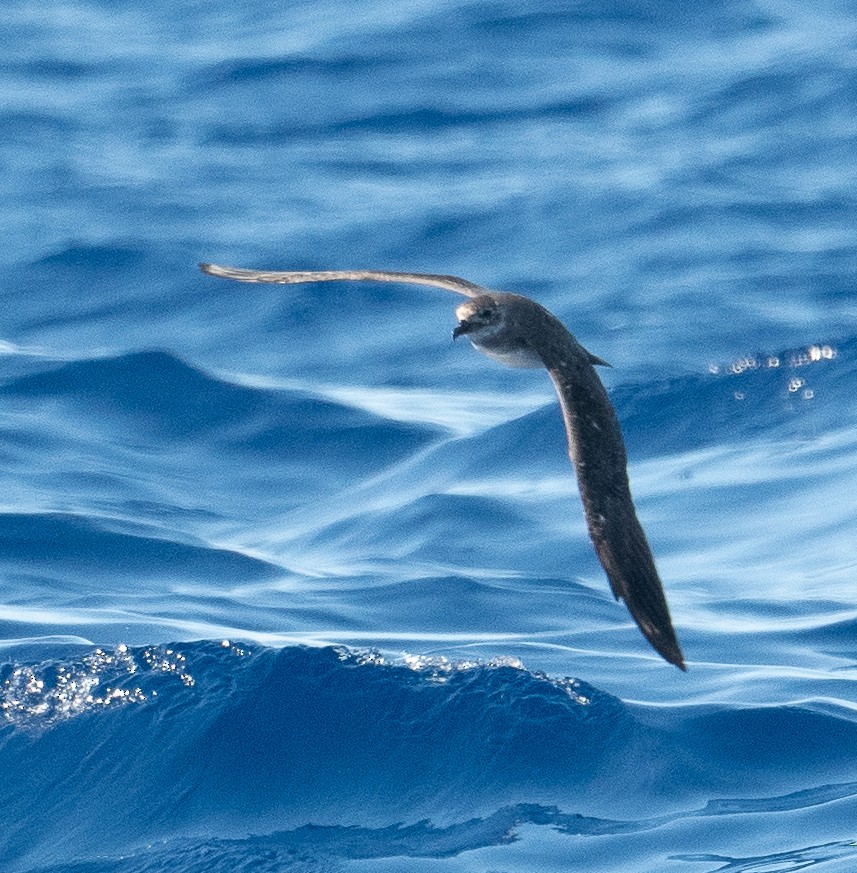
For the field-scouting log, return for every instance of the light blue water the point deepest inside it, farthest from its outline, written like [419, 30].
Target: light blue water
[278, 592]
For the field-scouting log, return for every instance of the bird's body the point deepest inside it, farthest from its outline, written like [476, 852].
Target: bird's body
[518, 332]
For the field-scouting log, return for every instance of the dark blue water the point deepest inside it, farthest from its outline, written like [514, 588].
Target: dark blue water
[292, 582]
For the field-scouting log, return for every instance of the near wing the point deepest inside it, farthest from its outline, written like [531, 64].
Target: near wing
[598, 453]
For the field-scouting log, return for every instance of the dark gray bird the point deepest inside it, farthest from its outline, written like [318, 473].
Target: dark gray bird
[519, 332]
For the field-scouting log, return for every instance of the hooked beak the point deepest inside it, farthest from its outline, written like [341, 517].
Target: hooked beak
[463, 328]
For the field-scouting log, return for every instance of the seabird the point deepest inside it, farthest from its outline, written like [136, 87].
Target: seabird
[519, 332]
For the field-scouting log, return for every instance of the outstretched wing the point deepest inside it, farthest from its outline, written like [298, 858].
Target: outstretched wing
[450, 283]
[598, 452]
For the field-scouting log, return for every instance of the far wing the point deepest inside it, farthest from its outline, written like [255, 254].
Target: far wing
[450, 283]
[598, 453]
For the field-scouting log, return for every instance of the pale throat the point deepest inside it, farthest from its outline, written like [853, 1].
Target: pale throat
[511, 355]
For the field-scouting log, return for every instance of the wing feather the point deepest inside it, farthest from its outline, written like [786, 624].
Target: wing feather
[276, 277]
[597, 451]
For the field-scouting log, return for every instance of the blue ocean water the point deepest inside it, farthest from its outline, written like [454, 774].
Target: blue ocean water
[278, 592]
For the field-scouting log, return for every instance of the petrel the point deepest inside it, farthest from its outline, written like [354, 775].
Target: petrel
[519, 332]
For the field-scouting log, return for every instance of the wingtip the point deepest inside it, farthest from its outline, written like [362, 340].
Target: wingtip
[660, 634]
[221, 272]
[668, 648]
[672, 655]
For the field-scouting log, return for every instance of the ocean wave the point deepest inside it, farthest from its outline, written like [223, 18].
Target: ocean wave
[111, 548]
[155, 392]
[224, 739]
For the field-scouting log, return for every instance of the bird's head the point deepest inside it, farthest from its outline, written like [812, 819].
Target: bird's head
[494, 325]
[479, 318]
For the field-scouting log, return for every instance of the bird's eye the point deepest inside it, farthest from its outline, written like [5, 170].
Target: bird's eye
[485, 313]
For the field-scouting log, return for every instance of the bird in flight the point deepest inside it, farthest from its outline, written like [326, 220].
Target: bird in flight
[519, 332]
